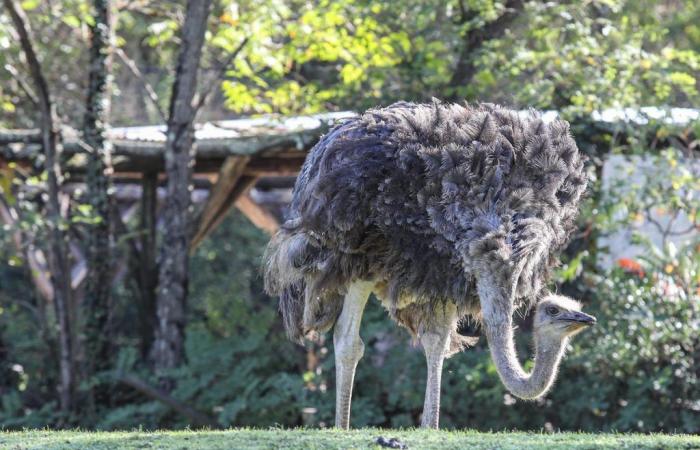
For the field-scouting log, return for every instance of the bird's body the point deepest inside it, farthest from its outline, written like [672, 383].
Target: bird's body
[405, 195]
[417, 201]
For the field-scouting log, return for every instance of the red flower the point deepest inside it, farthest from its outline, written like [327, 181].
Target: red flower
[631, 266]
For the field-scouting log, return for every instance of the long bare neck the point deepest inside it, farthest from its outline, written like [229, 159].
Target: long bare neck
[497, 315]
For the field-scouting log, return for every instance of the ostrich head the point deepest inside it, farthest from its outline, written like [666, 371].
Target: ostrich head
[557, 318]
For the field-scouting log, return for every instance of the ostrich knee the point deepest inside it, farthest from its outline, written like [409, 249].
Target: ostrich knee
[348, 348]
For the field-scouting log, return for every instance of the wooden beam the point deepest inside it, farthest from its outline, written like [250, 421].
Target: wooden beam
[257, 214]
[133, 168]
[245, 183]
[280, 182]
[26, 136]
[263, 167]
[223, 195]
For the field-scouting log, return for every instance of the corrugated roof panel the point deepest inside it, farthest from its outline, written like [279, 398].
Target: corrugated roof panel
[232, 129]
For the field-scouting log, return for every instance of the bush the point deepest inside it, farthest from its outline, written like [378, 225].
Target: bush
[641, 365]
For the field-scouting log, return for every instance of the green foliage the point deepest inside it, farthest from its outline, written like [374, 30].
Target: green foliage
[588, 56]
[27, 366]
[304, 56]
[568, 56]
[642, 366]
[61, 29]
[240, 368]
[639, 368]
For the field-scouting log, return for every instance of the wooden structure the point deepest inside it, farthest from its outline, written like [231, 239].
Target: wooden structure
[248, 163]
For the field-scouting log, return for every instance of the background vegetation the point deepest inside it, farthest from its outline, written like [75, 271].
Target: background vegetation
[638, 370]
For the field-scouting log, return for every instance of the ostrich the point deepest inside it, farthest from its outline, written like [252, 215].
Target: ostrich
[443, 211]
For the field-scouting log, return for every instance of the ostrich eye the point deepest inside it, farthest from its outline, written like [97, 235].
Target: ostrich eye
[552, 310]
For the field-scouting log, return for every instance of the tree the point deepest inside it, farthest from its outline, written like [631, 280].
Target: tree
[171, 294]
[99, 254]
[58, 252]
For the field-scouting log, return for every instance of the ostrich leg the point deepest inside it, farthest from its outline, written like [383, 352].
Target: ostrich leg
[435, 338]
[348, 348]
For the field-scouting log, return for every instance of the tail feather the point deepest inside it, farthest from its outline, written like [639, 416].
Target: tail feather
[292, 308]
[291, 262]
[288, 255]
[284, 279]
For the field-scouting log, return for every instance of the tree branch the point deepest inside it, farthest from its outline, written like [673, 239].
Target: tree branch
[196, 417]
[21, 24]
[22, 84]
[150, 92]
[204, 96]
[475, 38]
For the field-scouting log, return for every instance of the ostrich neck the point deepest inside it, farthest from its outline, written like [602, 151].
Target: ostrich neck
[497, 315]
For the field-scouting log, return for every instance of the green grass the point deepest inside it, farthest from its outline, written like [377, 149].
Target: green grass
[334, 439]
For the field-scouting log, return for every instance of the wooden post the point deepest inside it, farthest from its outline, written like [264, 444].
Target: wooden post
[148, 269]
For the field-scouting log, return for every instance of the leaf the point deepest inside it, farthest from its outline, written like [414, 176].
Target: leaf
[71, 21]
[85, 209]
[29, 5]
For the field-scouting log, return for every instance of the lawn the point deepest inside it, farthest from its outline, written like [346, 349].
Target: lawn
[334, 439]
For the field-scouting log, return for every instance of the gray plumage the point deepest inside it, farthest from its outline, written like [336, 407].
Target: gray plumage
[420, 197]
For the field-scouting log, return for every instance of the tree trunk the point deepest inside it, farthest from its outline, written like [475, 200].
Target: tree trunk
[58, 251]
[171, 294]
[474, 39]
[99, 255]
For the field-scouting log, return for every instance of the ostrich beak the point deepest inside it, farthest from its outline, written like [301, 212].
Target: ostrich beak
[578, 319]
